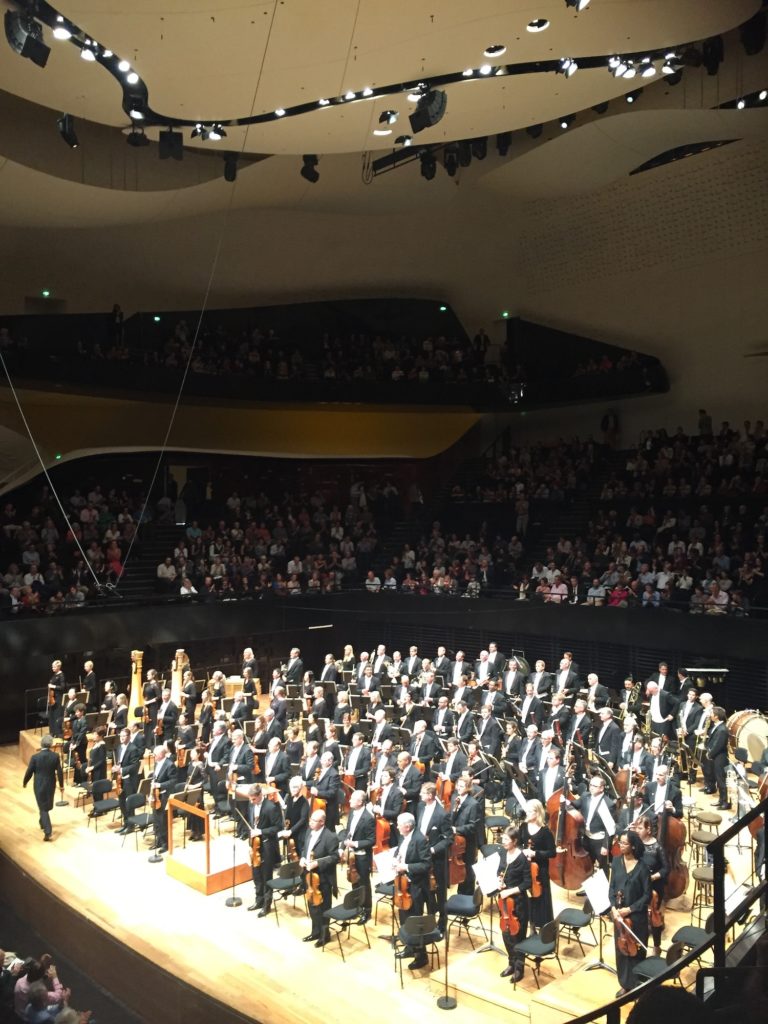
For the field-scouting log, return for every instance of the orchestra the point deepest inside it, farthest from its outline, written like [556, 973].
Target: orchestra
[404, 755]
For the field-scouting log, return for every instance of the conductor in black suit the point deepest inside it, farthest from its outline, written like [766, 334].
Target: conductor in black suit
[320, 856]
[45, 767]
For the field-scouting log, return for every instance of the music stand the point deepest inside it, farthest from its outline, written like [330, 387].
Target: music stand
[446, 1002]
[596, 888]
[486, 876]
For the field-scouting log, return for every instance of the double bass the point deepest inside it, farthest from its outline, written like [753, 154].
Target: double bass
[572, 863]
[444, 791]
[671, 837]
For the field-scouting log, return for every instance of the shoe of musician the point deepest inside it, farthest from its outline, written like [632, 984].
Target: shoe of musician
[257, 905]
[657, 950]
[47, 838]
[307, 938]
[420, 961]
[264, 911]
[404, 954]
[581, 893]
[365, 916]
[509, 969]
[517, 974]
[121, 831]
[323, 940]
[162, 849]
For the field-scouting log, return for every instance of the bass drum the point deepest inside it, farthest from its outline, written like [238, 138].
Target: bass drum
[749, 730]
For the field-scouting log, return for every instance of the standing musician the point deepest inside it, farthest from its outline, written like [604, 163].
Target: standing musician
[666, 682]
[433, 823]
[91, 686]
[45, 767]
[412, 863]
[559, 718]
[424, 746]
[465, 817]
[70, 703]
[597, 695]
[465, 723]
[249, 661]
[538, 847]
[120, 714]
[442, 665]
[530, 755]
[657, 755]
[57, 688]
[217, 688]
[167, 717]
[662, 710]
[238, 713]
[689, 718]
[96, 770]
[630, 894]
[358, 760]
[311, 764]
[217, 756]
[330, 673]
[265, 821]
[389, 804]
[125, 764]
[515, 883]
[717, 755]
[78, 744]
[513, 681]
[327, 788]
[598, 812]
[655, 860]
[356, 848]
[627, 741]
[382, 730]
[444, 719]
[205, 721]
[663, 794]
[279, 704]
[296, 810]
[702, 733]
[566, 681]
[532, 709]
[110, 697]
[542, 681]
[189, 695]
[151, 698]
[455, 762]
[240, 758]
[249, 691]
[276, 769]
[193, 795]
[163, 780]
[553, 776]
[631, 698]
[319, 859]
[430, 690]
[489, 732]
[608, 737]
[295, 667]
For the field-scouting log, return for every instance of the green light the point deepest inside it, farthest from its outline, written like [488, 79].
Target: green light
[505, 314]
[45, 293]
[156, 319]
[57, 456]
[443, 309]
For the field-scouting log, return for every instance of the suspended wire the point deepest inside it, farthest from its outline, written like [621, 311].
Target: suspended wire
[45, 471]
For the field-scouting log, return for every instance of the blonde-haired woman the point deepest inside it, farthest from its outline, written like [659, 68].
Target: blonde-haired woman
[538, 845]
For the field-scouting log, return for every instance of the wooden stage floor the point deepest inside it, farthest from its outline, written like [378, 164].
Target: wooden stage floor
[153, 924]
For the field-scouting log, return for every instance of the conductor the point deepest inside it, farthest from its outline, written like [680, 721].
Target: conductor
[45, 766]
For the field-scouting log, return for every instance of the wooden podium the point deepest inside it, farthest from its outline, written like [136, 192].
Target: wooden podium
[207, 866]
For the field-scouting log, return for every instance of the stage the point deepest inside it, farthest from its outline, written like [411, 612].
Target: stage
[173, 954]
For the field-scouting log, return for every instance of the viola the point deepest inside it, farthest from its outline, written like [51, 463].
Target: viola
[256, 851]
[383, 831]
[353, 875]
[118, 782]
[655, 913]
[314, 895]
[157, 799]
[626, 943]
[509, 922]
[537, 888]
[51, 697]
[402, 896]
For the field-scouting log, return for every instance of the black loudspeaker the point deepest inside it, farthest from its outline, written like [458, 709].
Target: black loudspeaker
[429, 110]
[171, 145]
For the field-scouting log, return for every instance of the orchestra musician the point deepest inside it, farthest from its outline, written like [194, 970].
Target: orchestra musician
[240, 759]
[717, 755]
[641, 760]
[343, 707]
[205, 721]
[465, 723]
[559, 718]
[356, 842]
[409, 781]
[328, 787]
[295, 667]
[442, 665]
[496, 659]
[249, 662]
[238, 713]
[217, 688]
[389, 803]
[465, 816]
[566, 681]
[249, 691]
[662, 709]
[655, 860]
[489, 732]
[662, 794]
[494, 698]
[193, 794]
[658, 755]
[167, 716]
[296, 811]
[120, 714]
[311, 765]
[70, 703]
[330, 745]
[444, 719]
[627, 741]
[276, 768]
[598, 812]
[538, 847]
[91, 686]
[330, 672]
[57, 687]
[630, 894]
[608, 738]
[108, 703]
[78, 743]
[689, 717]
[542, 681]
[553, 776]
[96, 770]
[424, 746]
[320, 857]
[532, 708]
[515, 882]
[513, 681]
[265, 821]
[485, 670]
[455, 761]
[665, 681]
[358, 760]
[163, 780]
[530, 751]
[631, 698]
[126, 762]
[412, 665]
[151, 699]
[294, 747]
[430, 690]
[597, 695]
[434, 824]
[413, 860]
[189, 695]
[382, 730]
[459, 672]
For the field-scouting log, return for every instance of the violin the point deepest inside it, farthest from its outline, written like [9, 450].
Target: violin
[509, 922]
[626, 943]
[157, 799]
[314, 895]
[255, 851]
[537, 888]
[402, 895]
[145, 715]
[118, 781]
[51, 697]
[353, 875]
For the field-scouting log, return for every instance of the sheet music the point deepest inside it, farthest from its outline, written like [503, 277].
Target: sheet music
[385, 865]
[518, 795]
[596, 888]
[486, 871]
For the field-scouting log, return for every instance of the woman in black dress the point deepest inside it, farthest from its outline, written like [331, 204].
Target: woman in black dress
[97, 758]
[206, 717]
[515, 882]
[656, 861]
[630, 894]
[538, 846]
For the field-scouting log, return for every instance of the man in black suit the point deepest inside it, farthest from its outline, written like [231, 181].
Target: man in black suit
[240, 759]
[593, 804]
[413, 860]
[163, 781]
[465, 817]
[513, 681]
[277, 769]
[666, 681]
[641, 760]
[485, 669]
[566, 681]
[91, 686]
[167, 717]
[663, 795]
[311, 762]
[489, 732]
[265, 821]
[662, 708]
[559, 718]
[717, 755]
[496, 658]
[494, 698]
[464, 692]
[542, 681]
[434, 824]
[409, 780]
[358, 761]
[45, 768]
[382, 730]
[413, 662]
[320, 857]
[126, 761]
[459, 669]
[465, 723]
[356, 842]
[390, 802]
[553, 776]
[330, 673]
[328, 788]
[274, 728]
[294, 670]
[689, 716]
[455, 762]
[57, 689]
[597, 695]
[532, 709]
[430, 690]
[424, 746]
[607, 741]
[442, 665]
[444, 719]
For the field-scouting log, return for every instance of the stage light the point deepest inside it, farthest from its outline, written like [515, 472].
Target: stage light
[66, 126]
[136, 112]
[503, 140]
[87, 54]
[280, 112]
[631, 97]
[137, 138]
[428, 165]
[648, 70]
[740, 104]
[46, 294]
[388, 116]
[567, 67]
[156, 319]
[497, 50]
[309, 171]
[676, 77]
[323, 103]
[132, 78]
[485, 69]
[443, 309]
[567, 121]
[171, 145]
[600, 108]
[25, 37]
[578, 5]
[505, 314]
[535, 130]
[367, 92]
[480, 148]
[403, 140]
[123, 66]
[468, 72]
[429, 111]
[216, 133]
[230, 167]
[537, 25]
[382, 131]
[57, 456]
[61, 31]
[451, 160]
[763, 95]
[349, 95]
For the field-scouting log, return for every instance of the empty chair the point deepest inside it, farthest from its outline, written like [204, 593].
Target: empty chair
[653, 966]
[572, 920]
[287, 882]
[420, 934]
[462, 908]
[102, 804]
[136, 821]
[342, 917]
[539, 948]
[386, 893]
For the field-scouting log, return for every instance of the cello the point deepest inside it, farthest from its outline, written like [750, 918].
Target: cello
[457, 866]
[572, 863]
[444, 791]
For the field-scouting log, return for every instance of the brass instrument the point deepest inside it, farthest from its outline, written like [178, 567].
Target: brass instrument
[634, 693]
